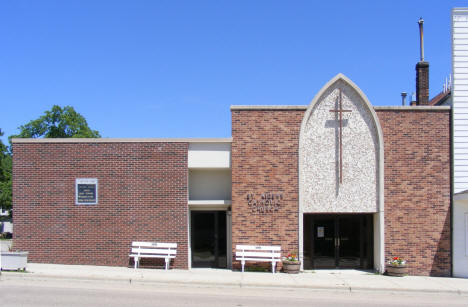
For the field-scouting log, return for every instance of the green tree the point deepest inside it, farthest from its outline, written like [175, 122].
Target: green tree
[58, 123]
[5, 176]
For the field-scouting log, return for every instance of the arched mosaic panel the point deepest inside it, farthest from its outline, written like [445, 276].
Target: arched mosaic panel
[339, 159]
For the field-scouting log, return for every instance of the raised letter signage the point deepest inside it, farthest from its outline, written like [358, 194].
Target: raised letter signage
[266, 203]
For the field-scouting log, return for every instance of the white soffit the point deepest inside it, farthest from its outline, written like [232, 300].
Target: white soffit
[209, 155]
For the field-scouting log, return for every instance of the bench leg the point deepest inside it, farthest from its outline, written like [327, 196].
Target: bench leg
[167, 263]
[242, 263]
[136, 261]
[273, 265]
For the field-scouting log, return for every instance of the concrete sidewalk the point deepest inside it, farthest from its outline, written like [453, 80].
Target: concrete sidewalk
[340, 280]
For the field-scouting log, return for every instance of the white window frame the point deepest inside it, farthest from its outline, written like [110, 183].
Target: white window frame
[85, 181]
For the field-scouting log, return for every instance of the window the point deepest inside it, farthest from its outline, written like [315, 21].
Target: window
[86, 191]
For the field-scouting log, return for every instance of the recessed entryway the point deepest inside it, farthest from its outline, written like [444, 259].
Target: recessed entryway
[208, 239]
[338, 241]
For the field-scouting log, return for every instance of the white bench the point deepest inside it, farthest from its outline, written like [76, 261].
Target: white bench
[258, 253]
[167, 251]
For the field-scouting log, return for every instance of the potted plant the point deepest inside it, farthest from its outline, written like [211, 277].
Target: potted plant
[13, 260]
[397, 267]
[291, 263]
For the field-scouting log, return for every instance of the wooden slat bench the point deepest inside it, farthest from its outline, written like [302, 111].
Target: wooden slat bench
[167, 251]
[257, 253]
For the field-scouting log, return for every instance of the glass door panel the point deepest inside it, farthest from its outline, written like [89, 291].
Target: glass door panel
[338, 241]
[324, 242]
[208, 239]
[349, 241]
[221, 236]
[203, 238]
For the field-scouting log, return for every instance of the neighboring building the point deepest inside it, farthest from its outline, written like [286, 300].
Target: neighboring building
[459, 96]
[6, 226]
[345, 191]
[444, 98]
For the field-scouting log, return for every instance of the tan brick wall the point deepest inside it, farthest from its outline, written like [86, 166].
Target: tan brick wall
[142, 196]
[417, 189]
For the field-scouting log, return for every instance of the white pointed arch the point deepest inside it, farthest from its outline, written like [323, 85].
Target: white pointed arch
[364, 109]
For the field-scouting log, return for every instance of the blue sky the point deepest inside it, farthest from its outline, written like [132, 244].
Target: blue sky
[173, 68]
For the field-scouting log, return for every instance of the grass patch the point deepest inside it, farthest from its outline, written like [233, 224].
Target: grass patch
[256, 269]
[16, 271]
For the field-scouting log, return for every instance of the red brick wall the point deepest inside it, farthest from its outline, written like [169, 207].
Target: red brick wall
[417, 189]
[265, 159]
[142, 195]
[143, 191]
[417, 183]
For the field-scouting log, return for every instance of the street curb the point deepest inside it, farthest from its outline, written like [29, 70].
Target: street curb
[159, 282]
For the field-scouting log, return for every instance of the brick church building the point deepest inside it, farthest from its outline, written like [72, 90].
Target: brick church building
[344, 183]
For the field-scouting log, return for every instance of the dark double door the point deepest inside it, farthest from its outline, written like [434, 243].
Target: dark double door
[338, 241]
[208, 239]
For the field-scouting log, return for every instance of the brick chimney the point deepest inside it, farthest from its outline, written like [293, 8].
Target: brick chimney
[422, 83]
[422, 72]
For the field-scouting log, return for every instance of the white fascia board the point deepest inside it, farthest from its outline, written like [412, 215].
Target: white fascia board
[209, 155]
[210, 202]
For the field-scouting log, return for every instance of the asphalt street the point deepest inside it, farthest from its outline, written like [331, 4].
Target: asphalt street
[93, 293]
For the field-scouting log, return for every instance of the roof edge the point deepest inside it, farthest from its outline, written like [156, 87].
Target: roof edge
[122, 140]
[377, 108]
[267, 107]
[413, 108]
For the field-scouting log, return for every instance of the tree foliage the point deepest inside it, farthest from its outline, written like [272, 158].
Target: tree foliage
[5, 176]
[58, 123]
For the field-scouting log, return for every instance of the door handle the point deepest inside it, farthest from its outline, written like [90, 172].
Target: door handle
[337, 242]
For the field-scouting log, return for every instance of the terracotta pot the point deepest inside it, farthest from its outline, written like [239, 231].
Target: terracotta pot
[291, 267]
[397, 270]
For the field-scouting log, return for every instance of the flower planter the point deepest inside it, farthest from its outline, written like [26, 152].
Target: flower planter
[397, 270]
[14, 260]
[291, 267]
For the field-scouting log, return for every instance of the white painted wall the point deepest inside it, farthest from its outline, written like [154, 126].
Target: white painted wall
[460, 238]
[460, 97]
[379, 237]
[460, 140]
[209, 155]
[209, 184]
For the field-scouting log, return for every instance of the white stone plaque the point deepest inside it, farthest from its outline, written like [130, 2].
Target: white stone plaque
[86, 191]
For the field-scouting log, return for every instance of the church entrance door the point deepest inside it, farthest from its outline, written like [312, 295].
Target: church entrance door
[338, 241]
[208, 239]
